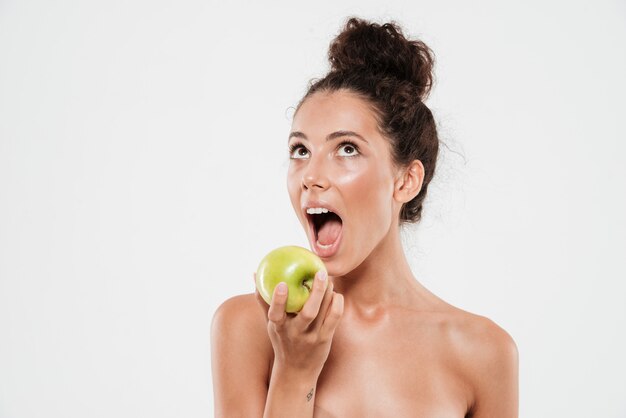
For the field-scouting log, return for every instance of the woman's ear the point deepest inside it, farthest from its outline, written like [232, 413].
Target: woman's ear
[409, 183]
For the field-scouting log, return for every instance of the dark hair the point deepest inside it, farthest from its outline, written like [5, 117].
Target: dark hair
[394, 75]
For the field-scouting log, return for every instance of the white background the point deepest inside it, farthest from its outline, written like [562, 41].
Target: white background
[142, 178]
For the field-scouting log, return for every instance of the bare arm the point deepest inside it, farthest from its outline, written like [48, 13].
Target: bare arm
[301, 344]
[290, 394]
[241, 347]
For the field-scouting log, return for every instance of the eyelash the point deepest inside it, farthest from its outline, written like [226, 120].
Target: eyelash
[297, 145]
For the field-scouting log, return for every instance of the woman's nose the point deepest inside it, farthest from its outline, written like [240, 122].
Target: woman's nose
[315, 175]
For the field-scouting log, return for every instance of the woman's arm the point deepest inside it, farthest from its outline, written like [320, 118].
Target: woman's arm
[301, 345]
[244, 338]
[290, 395]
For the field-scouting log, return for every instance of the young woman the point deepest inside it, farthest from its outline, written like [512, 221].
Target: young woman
[371, 341]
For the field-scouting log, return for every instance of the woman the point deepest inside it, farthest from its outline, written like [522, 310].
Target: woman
[371, 341]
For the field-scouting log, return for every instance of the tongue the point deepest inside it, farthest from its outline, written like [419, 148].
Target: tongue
[329, 232]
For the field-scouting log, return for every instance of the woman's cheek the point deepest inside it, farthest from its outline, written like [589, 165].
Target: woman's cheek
[369, 192]
[350, 171]
[355, 178]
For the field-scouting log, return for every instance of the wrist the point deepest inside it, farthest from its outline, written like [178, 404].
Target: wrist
[291, 393]
[294, 375]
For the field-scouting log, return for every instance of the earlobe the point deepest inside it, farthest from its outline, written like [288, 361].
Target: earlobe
[409, 184]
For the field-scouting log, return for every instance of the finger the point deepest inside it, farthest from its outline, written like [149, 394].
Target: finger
[312, 305]
[328, 297]
[333, 317]
[276, 313]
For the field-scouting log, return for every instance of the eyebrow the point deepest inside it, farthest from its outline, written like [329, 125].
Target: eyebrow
[330, 137]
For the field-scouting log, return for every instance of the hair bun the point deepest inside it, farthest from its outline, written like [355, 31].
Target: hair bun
[363, 46]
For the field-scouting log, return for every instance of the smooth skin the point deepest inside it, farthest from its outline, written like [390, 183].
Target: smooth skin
[371, 341]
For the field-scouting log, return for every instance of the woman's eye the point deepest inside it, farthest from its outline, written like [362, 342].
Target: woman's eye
[348, 150]
[298, 152]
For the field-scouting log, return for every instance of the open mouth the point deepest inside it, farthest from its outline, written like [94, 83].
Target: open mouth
[326, 232]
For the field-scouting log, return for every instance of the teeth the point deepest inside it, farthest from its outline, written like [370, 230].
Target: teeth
[315, 211]
[323, 246]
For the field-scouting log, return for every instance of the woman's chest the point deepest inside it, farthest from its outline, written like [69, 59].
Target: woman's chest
[390, 373]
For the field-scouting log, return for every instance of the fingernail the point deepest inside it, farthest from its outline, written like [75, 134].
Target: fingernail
[282, 288]
[323, 275]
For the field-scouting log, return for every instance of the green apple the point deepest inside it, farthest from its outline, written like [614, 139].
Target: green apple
[296, 266]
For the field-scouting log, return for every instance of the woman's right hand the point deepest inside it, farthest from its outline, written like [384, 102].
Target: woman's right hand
[302, 341]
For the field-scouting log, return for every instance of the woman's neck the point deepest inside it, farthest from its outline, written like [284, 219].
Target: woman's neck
[384, 279]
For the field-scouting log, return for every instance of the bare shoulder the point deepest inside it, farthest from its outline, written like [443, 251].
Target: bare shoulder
[239, 306]
[243, 315]
[468, 331]
[478, 335]
[240, 354]
[488, 357]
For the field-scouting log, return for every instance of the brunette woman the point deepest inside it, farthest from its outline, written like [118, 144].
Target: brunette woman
[371, 341]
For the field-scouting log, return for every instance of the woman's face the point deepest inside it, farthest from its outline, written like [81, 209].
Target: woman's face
[351, 176]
